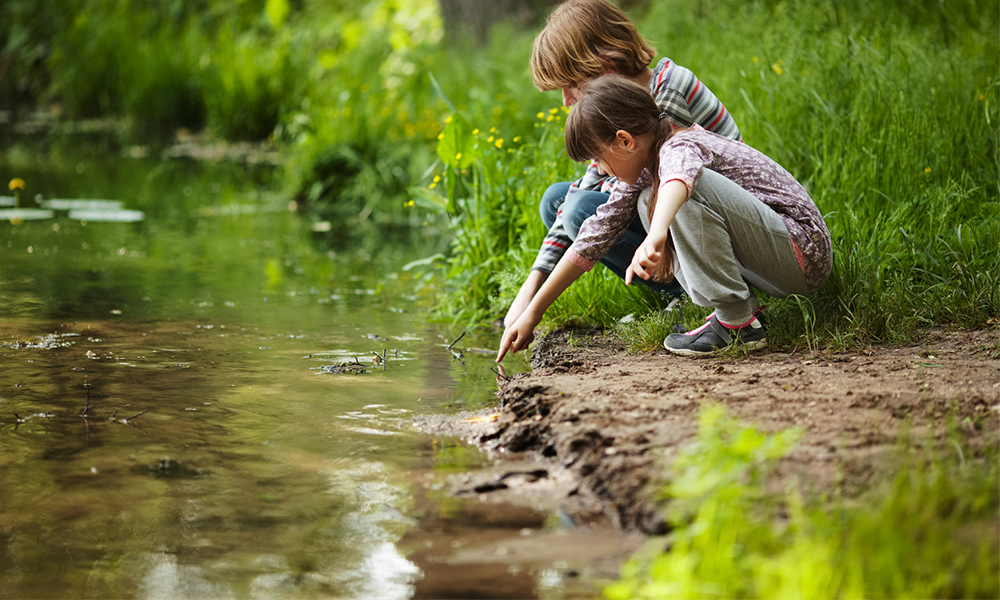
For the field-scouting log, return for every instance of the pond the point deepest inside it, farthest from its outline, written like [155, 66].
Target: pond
[183, 410]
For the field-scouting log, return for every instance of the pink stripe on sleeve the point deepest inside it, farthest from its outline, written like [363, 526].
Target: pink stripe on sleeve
[578, 260]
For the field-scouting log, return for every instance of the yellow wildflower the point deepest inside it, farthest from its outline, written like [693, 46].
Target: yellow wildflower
[927, 170]
[516, 139]
[776, 69]
[553, 111]
[489, 139]
[755, 59]
[16, 184]
[437, 178]
[458, 156]
[498, 143]
[475, 131]
[433, 185]
[441, 136]
[540, 115]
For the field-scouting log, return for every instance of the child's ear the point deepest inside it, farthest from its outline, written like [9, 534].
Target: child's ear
[625, 140]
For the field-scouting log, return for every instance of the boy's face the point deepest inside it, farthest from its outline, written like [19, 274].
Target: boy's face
[570, 95]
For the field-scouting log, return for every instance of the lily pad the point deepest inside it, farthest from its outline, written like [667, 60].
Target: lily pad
[25, 214]
[109, 216]
[81, 204]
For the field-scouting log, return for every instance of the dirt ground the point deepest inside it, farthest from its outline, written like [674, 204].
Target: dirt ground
[591, 430]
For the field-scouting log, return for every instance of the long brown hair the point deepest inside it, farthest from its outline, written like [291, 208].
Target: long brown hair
[607, 105]
[577, 35]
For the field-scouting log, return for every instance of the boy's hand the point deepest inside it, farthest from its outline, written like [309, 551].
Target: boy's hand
[534, 281]
[518, 336]
[646, 257]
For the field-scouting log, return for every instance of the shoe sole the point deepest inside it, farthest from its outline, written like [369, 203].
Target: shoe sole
[691, 353]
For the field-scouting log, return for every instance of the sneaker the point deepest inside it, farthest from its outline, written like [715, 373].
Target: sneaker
[713, 336]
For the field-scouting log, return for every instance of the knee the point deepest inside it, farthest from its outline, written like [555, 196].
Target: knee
[579, 207]
[548, 206]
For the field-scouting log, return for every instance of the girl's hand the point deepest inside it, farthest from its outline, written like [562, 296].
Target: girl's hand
[518, 336]
[646, 257]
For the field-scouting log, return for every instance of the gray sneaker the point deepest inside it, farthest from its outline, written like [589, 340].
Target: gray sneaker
[713, 336]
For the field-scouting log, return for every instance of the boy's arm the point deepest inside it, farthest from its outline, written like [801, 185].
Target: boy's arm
[531, 285]
[522, 332]
[552, 250]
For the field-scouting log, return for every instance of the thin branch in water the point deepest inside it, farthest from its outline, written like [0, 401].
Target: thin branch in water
[500, 375]
[87, 406]
[456, 340]
[136, 415]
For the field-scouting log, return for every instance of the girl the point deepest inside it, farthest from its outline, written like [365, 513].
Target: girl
[722, 218]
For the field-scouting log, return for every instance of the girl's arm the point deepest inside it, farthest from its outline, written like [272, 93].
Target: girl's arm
[521, 333]
[669, 199]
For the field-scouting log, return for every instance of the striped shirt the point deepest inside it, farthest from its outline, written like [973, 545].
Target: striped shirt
[683, 157]
[687, 101]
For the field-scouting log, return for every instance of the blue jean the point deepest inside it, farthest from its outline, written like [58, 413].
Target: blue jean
[581, 205]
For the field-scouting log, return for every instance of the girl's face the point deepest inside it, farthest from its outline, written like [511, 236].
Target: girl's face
[623, 158]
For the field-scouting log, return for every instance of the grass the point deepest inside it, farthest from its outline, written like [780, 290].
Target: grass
[920, 535]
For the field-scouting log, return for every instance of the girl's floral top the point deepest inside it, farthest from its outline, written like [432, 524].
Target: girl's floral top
[683, 157]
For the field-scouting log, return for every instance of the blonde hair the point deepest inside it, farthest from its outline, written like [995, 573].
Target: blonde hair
[613, 103]
[577, 35]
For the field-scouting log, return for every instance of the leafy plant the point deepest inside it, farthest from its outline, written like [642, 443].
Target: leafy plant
[730, 538]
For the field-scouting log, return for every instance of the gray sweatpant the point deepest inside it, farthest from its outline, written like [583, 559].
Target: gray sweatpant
[726, 241]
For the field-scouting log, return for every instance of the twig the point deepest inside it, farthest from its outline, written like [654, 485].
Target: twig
[136, 415]
[456, 340]
[383, 359]
[87, 407]
[501, 375]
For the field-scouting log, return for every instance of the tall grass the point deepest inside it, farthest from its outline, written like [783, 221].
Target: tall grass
[887, 113]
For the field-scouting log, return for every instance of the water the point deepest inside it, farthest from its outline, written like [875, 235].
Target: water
[174, 422]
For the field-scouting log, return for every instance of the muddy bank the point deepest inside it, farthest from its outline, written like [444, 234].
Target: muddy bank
[591, 430]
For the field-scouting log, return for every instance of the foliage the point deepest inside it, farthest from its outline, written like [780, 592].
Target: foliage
[731, 539]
